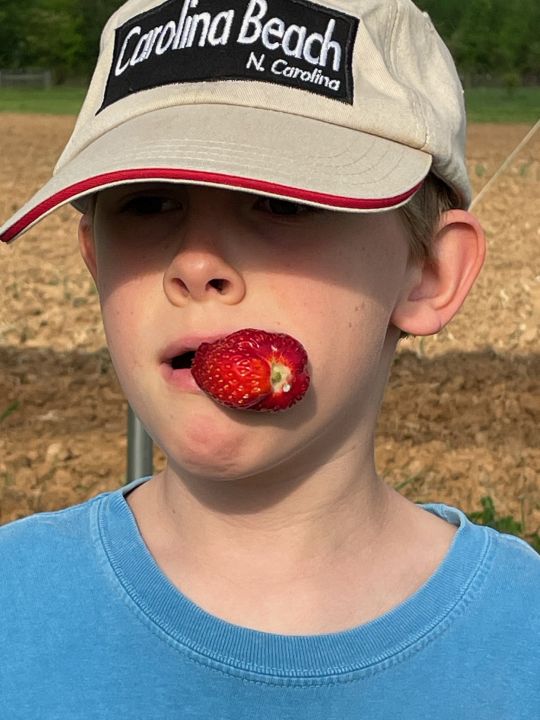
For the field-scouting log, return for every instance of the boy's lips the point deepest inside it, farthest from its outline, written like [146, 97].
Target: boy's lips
[180, 364]
[187, 344]
[181, 377]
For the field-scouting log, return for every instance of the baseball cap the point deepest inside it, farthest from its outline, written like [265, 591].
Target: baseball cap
[342, 104]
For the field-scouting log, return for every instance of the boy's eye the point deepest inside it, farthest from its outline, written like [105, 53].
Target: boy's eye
[284, 208]
[150, 205]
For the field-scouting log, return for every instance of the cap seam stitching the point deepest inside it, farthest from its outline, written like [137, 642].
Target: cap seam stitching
[284, 167]
[258, 158]
[411, 92]
[249, 151]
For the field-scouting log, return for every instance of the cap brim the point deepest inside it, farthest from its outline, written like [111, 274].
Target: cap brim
[243, 148]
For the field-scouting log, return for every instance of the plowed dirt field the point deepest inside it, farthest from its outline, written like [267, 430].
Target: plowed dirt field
[461, 415]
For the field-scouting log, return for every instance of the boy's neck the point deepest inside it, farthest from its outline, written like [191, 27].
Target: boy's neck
[324, 557]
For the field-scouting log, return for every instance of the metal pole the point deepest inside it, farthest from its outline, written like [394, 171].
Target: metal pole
[139, 450]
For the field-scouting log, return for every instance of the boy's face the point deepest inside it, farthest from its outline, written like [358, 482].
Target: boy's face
[175, 263]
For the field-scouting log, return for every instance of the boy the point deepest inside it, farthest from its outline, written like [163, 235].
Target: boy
[295, 168]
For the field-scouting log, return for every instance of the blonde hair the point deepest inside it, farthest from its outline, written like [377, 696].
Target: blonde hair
[421, 215]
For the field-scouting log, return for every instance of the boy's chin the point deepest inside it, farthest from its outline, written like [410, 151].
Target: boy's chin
[211, 446]
[209, 441]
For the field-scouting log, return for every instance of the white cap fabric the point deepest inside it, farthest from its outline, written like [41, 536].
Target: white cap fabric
[346, 104]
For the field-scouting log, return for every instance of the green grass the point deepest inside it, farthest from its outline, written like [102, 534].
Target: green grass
[60, 100]
[483, 104]
[504, 523]
[9, 410]
[499, 105]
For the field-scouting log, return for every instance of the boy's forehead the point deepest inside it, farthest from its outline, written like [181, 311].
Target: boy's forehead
[312, 101]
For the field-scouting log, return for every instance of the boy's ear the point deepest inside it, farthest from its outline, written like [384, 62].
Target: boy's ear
[86, 243]
[436, 289]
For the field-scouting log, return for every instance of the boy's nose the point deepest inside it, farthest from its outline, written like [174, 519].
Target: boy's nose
[199, 272]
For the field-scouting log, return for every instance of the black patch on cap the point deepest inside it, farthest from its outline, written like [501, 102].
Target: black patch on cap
[289, 42]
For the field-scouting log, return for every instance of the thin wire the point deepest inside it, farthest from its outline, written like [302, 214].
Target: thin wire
[506, 163]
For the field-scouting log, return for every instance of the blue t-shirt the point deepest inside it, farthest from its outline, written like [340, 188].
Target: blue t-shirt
[91, 628]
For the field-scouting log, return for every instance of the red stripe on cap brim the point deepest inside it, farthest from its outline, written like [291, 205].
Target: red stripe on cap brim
[197, 176]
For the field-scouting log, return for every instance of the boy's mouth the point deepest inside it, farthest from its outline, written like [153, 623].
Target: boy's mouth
[176, 368]
[248, 369]
[179, 354]
[183, 361]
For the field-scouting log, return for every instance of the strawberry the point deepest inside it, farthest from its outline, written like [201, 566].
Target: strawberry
[252, 370]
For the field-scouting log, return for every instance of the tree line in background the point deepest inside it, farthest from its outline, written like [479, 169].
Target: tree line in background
[496, 39]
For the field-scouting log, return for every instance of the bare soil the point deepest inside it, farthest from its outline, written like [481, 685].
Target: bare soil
[461, 415]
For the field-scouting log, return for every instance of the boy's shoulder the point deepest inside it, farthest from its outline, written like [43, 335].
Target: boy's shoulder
[62, 520]
[516, 546]
[506, 612]
[517, 563]
[522, 565]
[45, 539]
[502, 561]
[71, 534]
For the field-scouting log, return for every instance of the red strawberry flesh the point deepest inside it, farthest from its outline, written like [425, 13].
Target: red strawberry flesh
[253, 370]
